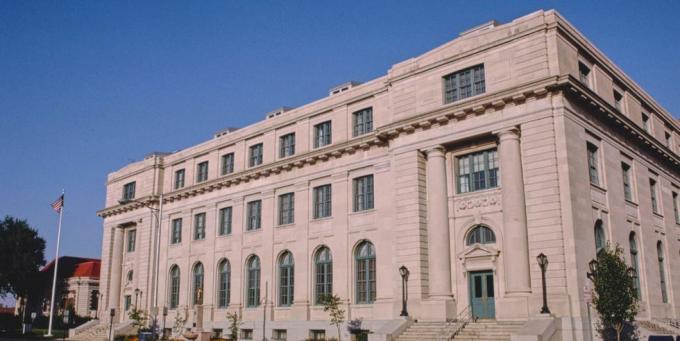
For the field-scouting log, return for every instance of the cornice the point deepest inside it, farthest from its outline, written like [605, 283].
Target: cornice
[448, 113]
[146, 201]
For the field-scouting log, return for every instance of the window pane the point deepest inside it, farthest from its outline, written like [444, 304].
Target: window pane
[463, 84]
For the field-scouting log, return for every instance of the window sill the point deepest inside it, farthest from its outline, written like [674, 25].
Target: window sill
[321, 219]
[253, 230]
[362, 212]
[598, 187]
[175, 244]
[632, 203]
[224, 235]
[463, 100]
[657, 214]
[285, 226]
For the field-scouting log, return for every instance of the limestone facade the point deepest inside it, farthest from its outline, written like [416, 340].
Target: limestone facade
[534, 154]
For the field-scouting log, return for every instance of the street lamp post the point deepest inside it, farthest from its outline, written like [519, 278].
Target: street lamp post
[158, 214]
[403, 271]
[111, 315]
[137, 291]
[543, 263]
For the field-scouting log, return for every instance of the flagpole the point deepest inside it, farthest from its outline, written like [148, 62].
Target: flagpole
[56, 264]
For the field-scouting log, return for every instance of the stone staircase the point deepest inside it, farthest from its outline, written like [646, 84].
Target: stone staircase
[489, 330]
[95, 332]
[481, 330]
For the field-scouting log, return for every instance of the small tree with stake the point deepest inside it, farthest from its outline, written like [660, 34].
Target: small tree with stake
[614, 295]
[332, 304]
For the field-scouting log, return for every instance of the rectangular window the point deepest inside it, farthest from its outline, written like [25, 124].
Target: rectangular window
[653, 194]
[255, 155]
[627, 182]
[478, 171]
[227, 163]
[202, 172]
[131, 240]
[129, 191]
[317, 334]
[286, 208]
[593, 171]
[225, 221]
[280, 335]
[463, 84]
[179, 179]
[668, 140]
[128, 302]
[618, 101]
[322, 201]
[584, 74]
[176, 236]
[247, 334]
[645, 123]
[322, 134]
[676, 207]
[362, 122]
[363, 193]
[287, 145]
[254, 213]
[199, 226]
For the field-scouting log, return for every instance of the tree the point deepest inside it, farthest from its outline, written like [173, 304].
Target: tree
[332, 304]
[26, 250]
[614, 295]
[234, 324]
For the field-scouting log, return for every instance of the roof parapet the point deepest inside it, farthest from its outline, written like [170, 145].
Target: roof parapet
[489, 25]
[277, 112]
[342, 87]
[225, 131]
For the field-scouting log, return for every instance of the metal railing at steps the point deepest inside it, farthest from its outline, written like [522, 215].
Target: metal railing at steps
[453, 327]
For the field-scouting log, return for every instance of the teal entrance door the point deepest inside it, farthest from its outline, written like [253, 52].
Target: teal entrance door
[482, 295]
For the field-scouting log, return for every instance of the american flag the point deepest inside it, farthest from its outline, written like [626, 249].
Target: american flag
[58, 204]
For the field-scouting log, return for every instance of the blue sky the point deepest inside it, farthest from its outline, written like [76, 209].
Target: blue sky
[89, 86]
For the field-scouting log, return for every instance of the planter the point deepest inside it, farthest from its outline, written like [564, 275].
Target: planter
[190, 335]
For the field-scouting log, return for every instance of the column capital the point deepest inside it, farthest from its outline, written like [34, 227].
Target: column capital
[507, 133]
[435, 151]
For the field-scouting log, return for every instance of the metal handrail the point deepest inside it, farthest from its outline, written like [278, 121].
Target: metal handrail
[453, 327]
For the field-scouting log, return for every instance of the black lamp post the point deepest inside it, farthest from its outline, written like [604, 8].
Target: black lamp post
[112, 314]
[403, 271]
[543, 263]
[592, 265]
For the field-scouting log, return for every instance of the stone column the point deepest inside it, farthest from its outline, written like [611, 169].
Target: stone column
[516, 244]
[438, 225]
[116, 269]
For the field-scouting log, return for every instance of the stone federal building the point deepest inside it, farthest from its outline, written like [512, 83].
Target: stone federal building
[462, 164]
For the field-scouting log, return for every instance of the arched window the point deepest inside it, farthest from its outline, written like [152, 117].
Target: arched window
[130, 275]
[174, 287]
[198, 283]
[481, 235]
[600, 238]
[286, 279]
[223, 283]
[253, 278]
[634, 264]
[365, 280]
[323, 265]
[662, 272]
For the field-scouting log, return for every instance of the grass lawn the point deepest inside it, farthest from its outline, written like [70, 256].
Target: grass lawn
[37, 334]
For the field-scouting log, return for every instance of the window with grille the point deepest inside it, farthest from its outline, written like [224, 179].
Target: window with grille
[179, 179]
[286, 279]
[481, 235]
[254, 213]
[365, 273]
[286, 208]
[227, 163]
[129, 191]
[202, 171]
[618, 101]
[464, 83]
[627, 185]
[653, 195]
[662, 272]
[255, 155]
[199, 226]
[253, 281]
[176, 236]
[584, 73]
[223, 284]
[131, 240]
[287, 145]
[645, 123]
[323, 265]
[363, 193]
[362, 122]
[600, 237]
[225, 221]
[634, 264]
[174, 287]
[322, 201]
[478, 171]
[676, 207]
[322, 134]
[593, 171]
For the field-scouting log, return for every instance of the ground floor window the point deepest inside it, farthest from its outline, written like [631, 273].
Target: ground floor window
[319, 334]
